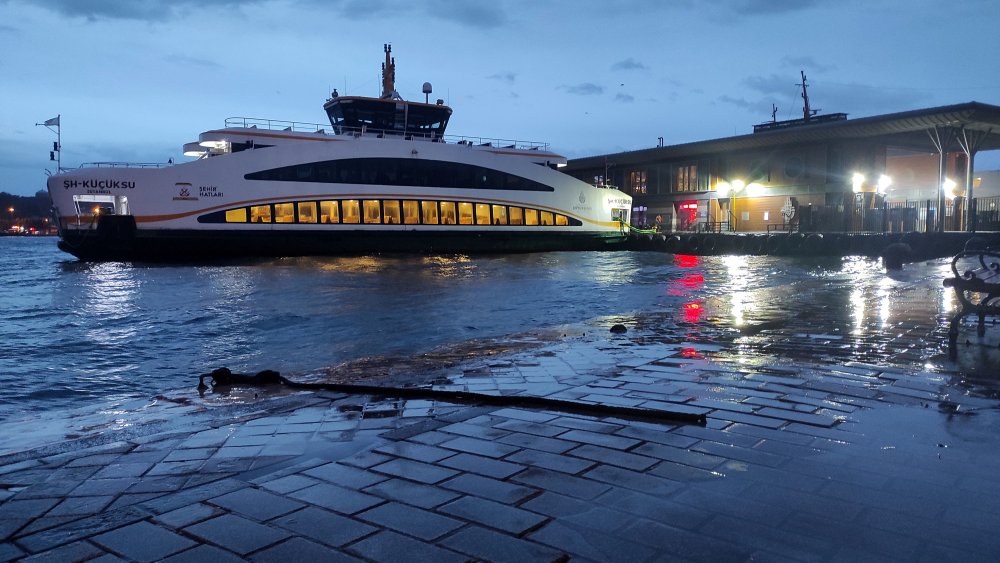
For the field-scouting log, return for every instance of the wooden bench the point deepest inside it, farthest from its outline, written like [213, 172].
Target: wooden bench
[977, 285]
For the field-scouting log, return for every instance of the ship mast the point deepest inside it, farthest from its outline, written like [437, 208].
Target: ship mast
[389, 74]
[806, 112]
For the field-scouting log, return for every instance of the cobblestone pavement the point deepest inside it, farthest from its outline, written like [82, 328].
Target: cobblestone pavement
[799, 461]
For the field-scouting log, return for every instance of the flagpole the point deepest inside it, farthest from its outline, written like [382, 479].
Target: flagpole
[57, 153]
[59, 143]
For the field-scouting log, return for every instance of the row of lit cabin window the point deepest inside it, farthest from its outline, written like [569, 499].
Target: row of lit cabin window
[394, 211]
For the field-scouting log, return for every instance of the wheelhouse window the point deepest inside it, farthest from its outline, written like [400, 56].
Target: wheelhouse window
[351, 210]
[284, 213]
[430, 212]
[307, 212]
[373, 211]
[236, 215]
[464, 213]
[411, 212]
[390, 208]
[260, 214]
[329, 212]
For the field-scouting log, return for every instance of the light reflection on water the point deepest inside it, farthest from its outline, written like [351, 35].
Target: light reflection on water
[79, 332]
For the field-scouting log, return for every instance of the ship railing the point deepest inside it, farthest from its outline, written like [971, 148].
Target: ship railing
[304, 127]
[277, 125]
[126, 164]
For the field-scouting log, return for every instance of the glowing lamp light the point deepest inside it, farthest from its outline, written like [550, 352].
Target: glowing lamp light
[949, 186]
[738, 185]
[754, 189]
[884, 182]
[97, 210]
[723, 189]
[214, 144]
[858, 181]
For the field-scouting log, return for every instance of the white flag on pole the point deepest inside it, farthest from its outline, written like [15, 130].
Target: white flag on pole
[53, 121]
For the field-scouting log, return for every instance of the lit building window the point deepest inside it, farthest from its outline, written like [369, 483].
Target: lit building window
[686, 178]
[637, 181]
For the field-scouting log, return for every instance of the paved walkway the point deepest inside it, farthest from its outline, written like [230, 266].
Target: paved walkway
[799, 461]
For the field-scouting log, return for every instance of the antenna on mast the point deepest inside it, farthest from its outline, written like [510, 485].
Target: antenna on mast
[774, 113]
[806, 111]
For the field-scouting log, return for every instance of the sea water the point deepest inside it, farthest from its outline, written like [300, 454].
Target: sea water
[74, 333]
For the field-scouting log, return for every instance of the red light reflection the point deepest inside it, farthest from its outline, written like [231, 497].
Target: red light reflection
[693, 311]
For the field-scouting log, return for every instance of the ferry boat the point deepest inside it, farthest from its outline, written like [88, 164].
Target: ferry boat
[381, 177]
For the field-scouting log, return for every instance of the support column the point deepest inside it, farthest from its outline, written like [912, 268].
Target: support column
[942, 137]
[970, 141]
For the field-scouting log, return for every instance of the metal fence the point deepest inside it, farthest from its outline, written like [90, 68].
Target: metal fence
[901, 216]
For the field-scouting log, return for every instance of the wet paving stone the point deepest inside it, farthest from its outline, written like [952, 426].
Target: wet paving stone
[236, 534]
[493, 514]
[143, 541]
[411, 521]
[387, 546]
[324, 527]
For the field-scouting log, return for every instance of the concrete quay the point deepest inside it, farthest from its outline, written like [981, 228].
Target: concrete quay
[800, 460]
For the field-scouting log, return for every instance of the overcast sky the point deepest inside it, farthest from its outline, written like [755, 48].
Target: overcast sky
[135, 79]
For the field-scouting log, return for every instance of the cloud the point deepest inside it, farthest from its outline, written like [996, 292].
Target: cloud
[807, 64]
[150, 10]
[189, 60]
[773, 84]
[624, 98]
[767, 7]
[738, 102]
[584, 89]
[485, 15]
[506, 77]
[629, 64]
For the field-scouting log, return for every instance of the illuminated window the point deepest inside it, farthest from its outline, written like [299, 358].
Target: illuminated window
[236, 215]
[448, 215]
[465, 213]
[516, 216]
[260, 214]
[499, 215]
[562, 220]
[482, 214]
[329, 212]
[351, 210]
[307, 212]
[637, 181]
[430, 212]
[373, 211]
[686, 178]
[530, 217]
[391, 209]
[411, 212]
[547, 218]
[284, 213]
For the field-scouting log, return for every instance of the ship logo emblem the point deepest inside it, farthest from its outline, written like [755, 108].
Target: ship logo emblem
[185, 192]
[583, 198]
